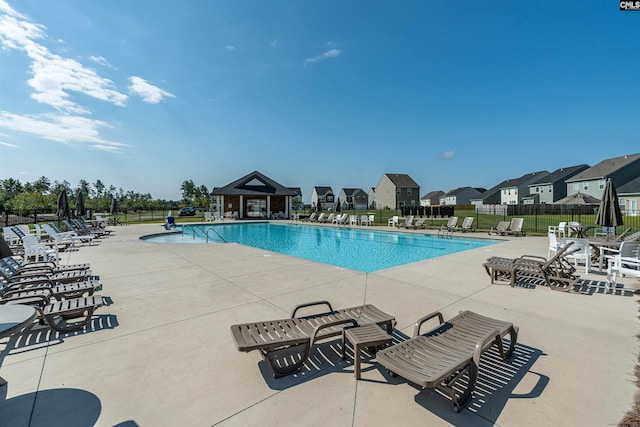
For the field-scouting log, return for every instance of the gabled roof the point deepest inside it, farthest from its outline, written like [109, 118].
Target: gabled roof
[456, 191]
[402, 180]
[356, 192]
[524, 179]
[433, 194]
[560, 175]
[254, 183]
[605, 168]
[631, 187]
[297, 190]
[323, 190]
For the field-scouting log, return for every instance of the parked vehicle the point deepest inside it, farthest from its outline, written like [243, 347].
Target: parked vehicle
[190, 211]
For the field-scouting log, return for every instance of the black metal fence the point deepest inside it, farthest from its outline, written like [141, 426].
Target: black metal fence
[537, 218]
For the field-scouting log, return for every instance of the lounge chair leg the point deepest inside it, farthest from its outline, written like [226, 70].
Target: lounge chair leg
[61, 325]
[282, 361]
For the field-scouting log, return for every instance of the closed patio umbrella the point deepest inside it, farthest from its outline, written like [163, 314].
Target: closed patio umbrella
[64, 211]
[114, 206]
[338, 206]
[80, 209]
[609, 214]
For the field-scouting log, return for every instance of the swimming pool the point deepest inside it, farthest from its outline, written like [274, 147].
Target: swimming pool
[356, 249]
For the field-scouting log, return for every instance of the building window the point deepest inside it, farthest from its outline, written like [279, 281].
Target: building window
[330, 199]
[576, 186]
[585, 187]
[398, 191]
[601, 184]
[408, 191]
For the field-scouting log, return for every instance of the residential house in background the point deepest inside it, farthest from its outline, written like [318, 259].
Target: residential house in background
[254, 196]
[297, 200]
[591, 181]
[322, 198]
[552, 187]
[629, 197]
[512, 192]
[353, 198]
[395, 191]
[372, 198]
[461, 196]
[432, 198]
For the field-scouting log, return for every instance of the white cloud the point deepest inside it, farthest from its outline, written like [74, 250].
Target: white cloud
[331, 53]
[230, 48]
[53, 76]
[6, 144]
[447, 155]
[148, 92]
[61, 128]
[100, 60]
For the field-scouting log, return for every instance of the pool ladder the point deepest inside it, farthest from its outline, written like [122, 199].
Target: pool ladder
[193, 234]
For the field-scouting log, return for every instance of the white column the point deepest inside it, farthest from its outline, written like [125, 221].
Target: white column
[268, 206]
[240, 214]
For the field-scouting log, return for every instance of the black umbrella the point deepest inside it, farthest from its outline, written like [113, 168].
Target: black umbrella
[80, 209]
[338, 206]
[114, 206]
[64, 211]
[609, 214]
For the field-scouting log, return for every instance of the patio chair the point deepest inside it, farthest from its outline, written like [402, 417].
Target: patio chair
[36, 250]
[467, 224]
[626, 261]
[451, 225]
[287, 343]
[364, 220]
[556, 272]
[581, 253]
[9, 275]
[313, 217]
[61, 237]
[418, 223]
[91, 229]
[447, 357]
[408, 223]
[515, 227]
[393, 221]
[44, 267]
[500, 229]
[64, 316]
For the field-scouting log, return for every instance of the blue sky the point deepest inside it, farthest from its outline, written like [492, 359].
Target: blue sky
[146, 94]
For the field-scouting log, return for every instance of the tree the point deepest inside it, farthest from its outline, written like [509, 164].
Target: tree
[99, 188]
[188, 192]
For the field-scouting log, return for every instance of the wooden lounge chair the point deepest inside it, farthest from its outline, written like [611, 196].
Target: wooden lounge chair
[555, 272]
[501, 228]
[448, 356]
[287, 343]
[67, 315]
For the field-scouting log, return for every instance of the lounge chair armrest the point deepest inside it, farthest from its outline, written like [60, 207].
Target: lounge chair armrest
[482, 342]
[331, 324]
[310, 304]
[532, 258]
[423, 319]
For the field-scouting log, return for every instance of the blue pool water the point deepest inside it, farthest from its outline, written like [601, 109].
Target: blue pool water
[356, 249]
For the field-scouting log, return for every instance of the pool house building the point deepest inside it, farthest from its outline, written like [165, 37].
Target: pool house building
[254, 196]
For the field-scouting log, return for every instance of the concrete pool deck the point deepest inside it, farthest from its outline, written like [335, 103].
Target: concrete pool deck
[161, 353]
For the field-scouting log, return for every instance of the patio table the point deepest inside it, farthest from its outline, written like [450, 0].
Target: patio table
[13, 319]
